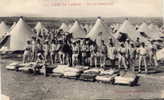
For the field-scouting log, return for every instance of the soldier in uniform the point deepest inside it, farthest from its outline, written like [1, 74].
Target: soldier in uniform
[27, 52]
[53, 52]
[137, 43]
[142, 56]
[83, 53]
[46, 49]
[122, 57]
[39, 63]
[34, 51]
[152, 54]
[87, 53]
[103, 53]
[132, 56]
[112, 54]
[39, 47]
[75, 55]
[93, 51]
[128, 48]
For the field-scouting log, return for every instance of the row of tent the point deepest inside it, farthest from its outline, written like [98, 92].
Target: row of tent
[16, 36]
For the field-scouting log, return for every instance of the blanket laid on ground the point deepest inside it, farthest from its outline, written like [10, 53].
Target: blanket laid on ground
[66, 71]
[12, 66]
[107, 75]
[93, 71]
[90, 74]
[26, 67]
[125, 78]
[105, 78]
[108, 72]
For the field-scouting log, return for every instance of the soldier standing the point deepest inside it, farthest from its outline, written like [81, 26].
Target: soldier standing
[53, 52]
[112, 54]
[83, 53]
[103, 53]
[93, 51]
[142, 57]
[27, 52]
[46, 49]
[75, 55]
[122, 57]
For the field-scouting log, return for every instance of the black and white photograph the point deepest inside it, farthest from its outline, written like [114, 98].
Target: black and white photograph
[81, 50]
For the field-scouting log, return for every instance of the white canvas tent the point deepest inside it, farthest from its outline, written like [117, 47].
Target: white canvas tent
[144, 29]
[154, 28]
[40, 27]
[69, 26]
[3, 29]
[86, 26]
[155, 31]
[90, 26]
[14, 23]
[19, 35]
[128, 29]
[99, 32]
[64, 27]
[77, 30]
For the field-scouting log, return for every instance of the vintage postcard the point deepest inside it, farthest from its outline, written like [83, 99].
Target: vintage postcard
[81, 49]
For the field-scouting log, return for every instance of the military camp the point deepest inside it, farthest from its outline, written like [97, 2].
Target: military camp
[97, 53]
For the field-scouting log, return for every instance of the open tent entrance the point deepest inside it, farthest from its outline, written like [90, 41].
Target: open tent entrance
[5, 41]
[143, 34]
[123, 37]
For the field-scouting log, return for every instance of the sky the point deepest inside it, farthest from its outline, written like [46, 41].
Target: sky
[81, 8]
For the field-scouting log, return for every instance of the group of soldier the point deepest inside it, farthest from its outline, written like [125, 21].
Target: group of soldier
[61, 48]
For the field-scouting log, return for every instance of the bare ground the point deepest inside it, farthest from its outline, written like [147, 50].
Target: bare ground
[23, 86]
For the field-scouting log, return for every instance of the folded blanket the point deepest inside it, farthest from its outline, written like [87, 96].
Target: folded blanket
[105, 78]
[12, 66]
[126, 78]
[60, 69]
[88, 76]
[93, 71]
[82, 67]
[108, 72]
[25, 69]
[67, 71]
[27, 64]
[71, 74]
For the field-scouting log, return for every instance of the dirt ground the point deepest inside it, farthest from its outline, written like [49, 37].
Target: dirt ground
[23, 86]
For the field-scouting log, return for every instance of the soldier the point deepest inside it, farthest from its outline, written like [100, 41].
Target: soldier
[122, 57]
[137, 43]
[142, 56]
[27, 52]
[83, 53]
[129, 51]
[132, 57]
[34, 49]
[87, 53]
[46, 49]
[67, 52]
[103, 53]
[112, 54]
[53, 52]
[75, 55]
[152, 54]
[39, 47]
[93, 51]
[39, 63]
